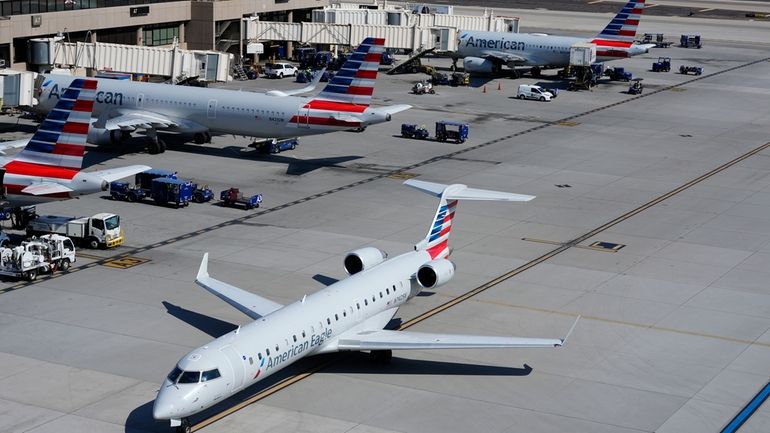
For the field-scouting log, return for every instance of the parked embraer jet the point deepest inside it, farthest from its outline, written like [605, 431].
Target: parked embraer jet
[124, 107]
[348, 315]
[488, 52]
[49, 166]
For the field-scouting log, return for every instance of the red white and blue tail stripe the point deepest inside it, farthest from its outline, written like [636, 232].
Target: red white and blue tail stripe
[56, 149]
[621, 31]
[354, 83]
[438, 238]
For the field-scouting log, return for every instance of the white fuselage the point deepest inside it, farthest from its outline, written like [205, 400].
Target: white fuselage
[366, 300]
[217, 110]
[12, 183]
[536, 48]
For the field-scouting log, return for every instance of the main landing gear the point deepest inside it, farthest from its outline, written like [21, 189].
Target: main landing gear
[155, 145]
[202, 137]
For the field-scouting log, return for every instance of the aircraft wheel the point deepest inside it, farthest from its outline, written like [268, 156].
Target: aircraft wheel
[153, 147]
[185, 427]
[161, 146]
[207, 137]
[199, 138]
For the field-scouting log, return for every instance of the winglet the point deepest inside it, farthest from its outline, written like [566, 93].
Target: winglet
[564, 340]
[203, 270]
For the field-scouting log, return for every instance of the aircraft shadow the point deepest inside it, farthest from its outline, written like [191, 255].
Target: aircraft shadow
[140, 419]
[210, 325]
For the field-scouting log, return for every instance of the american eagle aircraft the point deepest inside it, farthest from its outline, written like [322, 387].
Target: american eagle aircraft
[123, 107]
[49, 166]
[348, 315]
[488, 52]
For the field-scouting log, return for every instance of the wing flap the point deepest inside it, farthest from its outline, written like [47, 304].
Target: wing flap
[112, 174]
[404, 340]
[247, 303]
[45, 188]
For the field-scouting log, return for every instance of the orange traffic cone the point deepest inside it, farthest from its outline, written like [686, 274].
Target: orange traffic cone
[485, 89]
[499, 86]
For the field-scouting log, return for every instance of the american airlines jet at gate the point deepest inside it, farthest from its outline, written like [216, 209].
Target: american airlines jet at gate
[487, 52]
[49, 166]
[348, 315]
[124, 107]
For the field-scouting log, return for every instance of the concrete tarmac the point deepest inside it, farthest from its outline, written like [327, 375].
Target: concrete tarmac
[674, 336]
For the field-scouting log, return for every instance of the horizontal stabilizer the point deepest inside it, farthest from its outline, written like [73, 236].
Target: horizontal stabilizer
[45, 188]
[309, 88]
[13, 144]
[462, 192]
[112, 174]
[247, 303]
[393, 109]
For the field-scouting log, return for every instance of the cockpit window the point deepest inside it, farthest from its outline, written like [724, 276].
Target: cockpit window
[210, 375]
[190, 377]
[174, 375]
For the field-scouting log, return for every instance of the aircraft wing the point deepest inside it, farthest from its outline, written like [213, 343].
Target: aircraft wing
[247, 303]
[309, 88]
[111, 174]
[13, 144]
[405, 340]
[132, 120]
[44, 188]
[507, 58]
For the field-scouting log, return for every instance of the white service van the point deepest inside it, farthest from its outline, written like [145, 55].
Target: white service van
[531, 91]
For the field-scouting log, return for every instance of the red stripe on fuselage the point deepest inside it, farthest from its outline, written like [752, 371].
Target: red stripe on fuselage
[40, 170]
[611, 53]
[610, 43]
[89, 84]
[321, 104]
[68, 149]
[324, 121]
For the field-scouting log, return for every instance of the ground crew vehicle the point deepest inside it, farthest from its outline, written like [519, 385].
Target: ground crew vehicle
[655, 38]
[276, 146]
[142, 185]
[100, 230]
[690, 41]
[531, 91]
[201, 195]
[695, 70]
[166, 190]
[662, 65]
[636, 87]
[618, 74]
[387, 59]
[451, 131]
[423, 87]
[37, 255]
[460, 79]
[280, 70]
[234, 197]
[409, 130]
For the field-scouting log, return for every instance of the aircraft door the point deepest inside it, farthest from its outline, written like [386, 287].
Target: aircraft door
[140, 100]
[212, 109]
[303, 117]
[235, 363]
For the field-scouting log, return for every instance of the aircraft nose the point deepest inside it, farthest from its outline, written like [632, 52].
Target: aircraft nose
[163, 408]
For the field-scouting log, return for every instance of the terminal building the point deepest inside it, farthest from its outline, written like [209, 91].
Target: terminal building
[197, 25]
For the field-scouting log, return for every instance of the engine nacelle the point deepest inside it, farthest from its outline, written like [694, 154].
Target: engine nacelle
[435, 273]
[103, 137]
[362, 259]
[477, 65]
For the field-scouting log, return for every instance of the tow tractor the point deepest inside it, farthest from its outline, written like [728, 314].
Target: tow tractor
[275, 146]
[618, 74]
[695, 70]
[662, 65]
[636, 87]
[162, 186]
[37, 255]
[445, 131]
[423, 87]
[234, 197]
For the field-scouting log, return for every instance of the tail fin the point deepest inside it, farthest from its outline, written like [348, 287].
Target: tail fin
[354, 83]
[622, 28]
[57, 147]
[436, 241]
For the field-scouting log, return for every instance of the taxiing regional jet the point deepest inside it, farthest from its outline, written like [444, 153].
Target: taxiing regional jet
[124, 107]
[49, 166]
[348, 315]
[488, 52]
